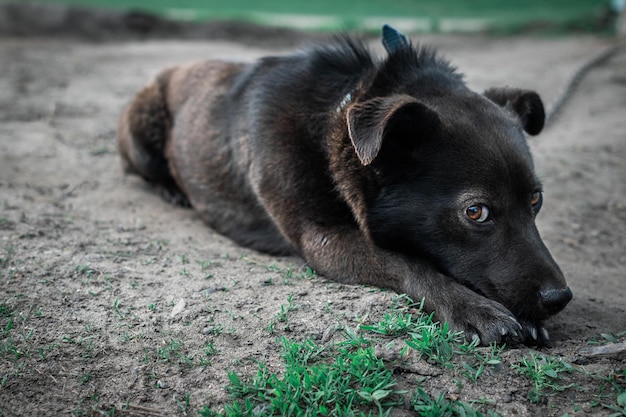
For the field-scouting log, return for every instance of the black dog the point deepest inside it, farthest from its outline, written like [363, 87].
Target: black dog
[383, 172]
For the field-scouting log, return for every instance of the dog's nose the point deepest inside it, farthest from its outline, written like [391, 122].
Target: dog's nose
[555, 300]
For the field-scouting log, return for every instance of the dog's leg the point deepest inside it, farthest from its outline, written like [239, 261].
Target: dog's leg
[142, 132]
[346, 256]
[341, 251]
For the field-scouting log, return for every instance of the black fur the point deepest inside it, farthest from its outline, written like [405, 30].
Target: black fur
[373, 170]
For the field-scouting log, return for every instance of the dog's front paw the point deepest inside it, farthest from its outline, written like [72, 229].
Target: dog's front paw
[534, 334]
[489, 322]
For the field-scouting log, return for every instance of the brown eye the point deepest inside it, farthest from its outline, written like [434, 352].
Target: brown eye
[479, 213]
[535, 198]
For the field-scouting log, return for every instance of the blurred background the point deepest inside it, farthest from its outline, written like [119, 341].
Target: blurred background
[552, 16]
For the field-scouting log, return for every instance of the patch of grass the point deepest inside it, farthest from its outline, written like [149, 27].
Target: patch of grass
[116, 308]
[288, 273]
[209, 263]
[86, 343]
[283, 315]
[545, 373]
[126, 337]
[6, 312]
[44, 351]
[316, 381]
[100, 151]
[303, 272]
[347, 378]
[174, 351]
[611, 393]
[395, 323]
[354, 339]
[234, 316]
[6, 224]
[479, 359]
[6, 257]
[15, 336]
[618, 407]
[472, 371]
[18, 346]
[427, 406]
[91, 405]
[209, 352]
[85, 378]
[429, 338]
[273, 267]
[608, 337]
[184, 404]
[436, 341]
[85, 269]
[171, 350]
[215, 330]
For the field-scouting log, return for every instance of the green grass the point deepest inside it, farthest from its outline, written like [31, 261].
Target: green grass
[611, 393]
[283, 315]
[355, 13]
[316, 381]
[428, 406]
[347, 378]
[339, 380]
[545, 372]
[429, 338]
[6, 256]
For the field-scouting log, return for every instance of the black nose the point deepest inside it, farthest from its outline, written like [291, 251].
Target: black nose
[555, 300]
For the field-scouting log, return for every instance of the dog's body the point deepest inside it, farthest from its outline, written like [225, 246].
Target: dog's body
[389, 173]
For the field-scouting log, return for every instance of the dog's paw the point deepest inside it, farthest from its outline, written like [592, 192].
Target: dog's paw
[172, 194]
[534, 334]
[488, 322]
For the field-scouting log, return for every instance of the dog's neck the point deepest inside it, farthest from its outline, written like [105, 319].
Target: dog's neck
[347, 171]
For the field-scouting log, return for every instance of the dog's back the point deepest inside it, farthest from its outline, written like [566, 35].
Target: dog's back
[189, 132]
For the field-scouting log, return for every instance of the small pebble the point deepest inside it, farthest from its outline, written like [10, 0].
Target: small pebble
[161, 384]
[507, 398]
[178, 308]
[208, 330]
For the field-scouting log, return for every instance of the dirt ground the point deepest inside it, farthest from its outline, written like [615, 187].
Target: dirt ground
[105, 289]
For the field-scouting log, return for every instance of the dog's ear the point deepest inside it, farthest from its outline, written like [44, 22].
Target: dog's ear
[372, 121]
[393, 40]
[525, 103]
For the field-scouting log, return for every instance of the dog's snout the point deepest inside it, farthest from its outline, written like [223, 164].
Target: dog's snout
[555, 300]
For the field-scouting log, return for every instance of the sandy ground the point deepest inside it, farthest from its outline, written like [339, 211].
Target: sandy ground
[99, 276]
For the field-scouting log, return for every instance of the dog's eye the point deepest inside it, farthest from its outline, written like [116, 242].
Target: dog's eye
[478, 213]
[536, 199]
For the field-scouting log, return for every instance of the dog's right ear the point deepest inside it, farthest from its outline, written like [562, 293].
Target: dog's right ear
[371, 123]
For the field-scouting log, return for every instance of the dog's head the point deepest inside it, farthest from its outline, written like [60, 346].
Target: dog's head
[455, 184]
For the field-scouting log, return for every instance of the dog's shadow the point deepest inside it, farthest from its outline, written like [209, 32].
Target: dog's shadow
[586, 318]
